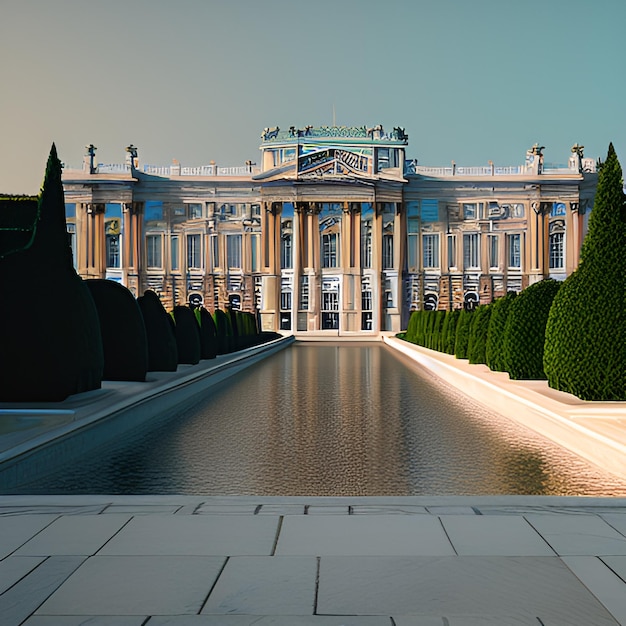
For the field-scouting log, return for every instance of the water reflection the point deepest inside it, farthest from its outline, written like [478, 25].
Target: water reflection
[344, 420]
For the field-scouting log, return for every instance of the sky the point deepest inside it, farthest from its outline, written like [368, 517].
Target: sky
[198, 80]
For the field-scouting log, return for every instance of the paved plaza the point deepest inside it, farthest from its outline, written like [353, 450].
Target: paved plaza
[213, 561]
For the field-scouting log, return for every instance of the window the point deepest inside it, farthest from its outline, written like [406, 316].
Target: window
[388, 251]
[451, 251]
[113, 250]
[233, 250]
[194, 211]
[329, 249]
[71, 238]
[366, 300]
[285, 300]
[557, 260]
[153, 251]
[494, 261]
[412, 242]
[471, 251]
[286, 252]
[175, 250]
[469, 211]
[515, 251]
[366, 243]
[304, 293]
[255, 248]
[430, 250]
[194, 252]
[215, 251]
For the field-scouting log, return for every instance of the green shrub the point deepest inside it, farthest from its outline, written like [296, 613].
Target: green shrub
[162, 350]
[462, 334]
[187, 333]
[122, 329]
[479, 330]
[524, 333]
[224, 332]
[495, 335]
[585, 350]
[449, 331]
[435, 343]
[208, 333]
[411, 330]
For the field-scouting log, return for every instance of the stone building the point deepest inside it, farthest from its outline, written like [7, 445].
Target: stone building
[336, 232]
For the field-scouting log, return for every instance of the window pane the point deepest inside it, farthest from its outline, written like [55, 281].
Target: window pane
[515, 256]
[387, 252]
[233, 250]
[430, 250]
[556, 251]
[471, 253]
[194, 255]
[175, 245]
[493, 251]
[153, 251]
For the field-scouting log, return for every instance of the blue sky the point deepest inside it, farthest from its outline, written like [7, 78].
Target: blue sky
[198, 80]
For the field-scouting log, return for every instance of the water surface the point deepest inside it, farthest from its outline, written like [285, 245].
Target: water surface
[334, 420]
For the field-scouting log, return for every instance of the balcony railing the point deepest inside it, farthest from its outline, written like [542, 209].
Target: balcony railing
[171, 170]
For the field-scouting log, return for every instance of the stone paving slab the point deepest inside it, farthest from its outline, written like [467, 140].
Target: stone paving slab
[195, 535]
[136, 585]
[281, 585]
[17, 530]
[522, 587]
[271, 620]
[363, 535]
[494, 535]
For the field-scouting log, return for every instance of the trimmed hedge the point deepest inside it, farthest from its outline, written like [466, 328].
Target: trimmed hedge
[162, 349]
[122, 329]
[225, 342]
[208, 333]
[495, 336]
[524, 334]
[585, 352]
[449, 331]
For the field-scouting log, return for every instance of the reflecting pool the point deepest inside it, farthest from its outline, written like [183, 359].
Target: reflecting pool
[334, 420]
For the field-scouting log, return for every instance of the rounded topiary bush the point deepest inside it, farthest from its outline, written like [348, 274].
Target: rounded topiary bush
[187, 333]
[208, 333]
[123, 332]
[585, 349]
[462, 334]
[524, 335]
[225, 342]
[495, 337]
[162, 350]
[479, 330]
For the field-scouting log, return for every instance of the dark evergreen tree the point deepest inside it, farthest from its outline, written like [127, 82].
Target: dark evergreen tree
[50, 344]
[449, 334]
[462, 334]
[411, 329]
[585, 351]
[524, 334]
[208, 333]
[478, 334]
[224, 332]
[495, 335]
[122, 329]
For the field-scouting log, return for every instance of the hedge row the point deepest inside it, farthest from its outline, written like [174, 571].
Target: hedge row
[507, 335]
[92, 330]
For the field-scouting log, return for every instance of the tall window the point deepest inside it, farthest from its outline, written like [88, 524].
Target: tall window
[494, 261]
[471, 251]
[329, 249]
[388, 251]
[451, 251]
[194, 252]
[515, 251]
[153, 251]
[304, 293]
[286, 252]
[430, 250]
[113, 250]
[71, 237]
[255, 251]
[175, 250]
[413, 228]
[366, 243]
[233, 250]
[557, 251]
[215, 251]
[285, 300]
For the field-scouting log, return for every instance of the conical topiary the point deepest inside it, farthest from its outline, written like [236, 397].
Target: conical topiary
[162, 350]
[585, 351]
[50, 344]
[495, 335]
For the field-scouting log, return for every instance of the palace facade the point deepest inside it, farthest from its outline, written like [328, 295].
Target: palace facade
[336, 232]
